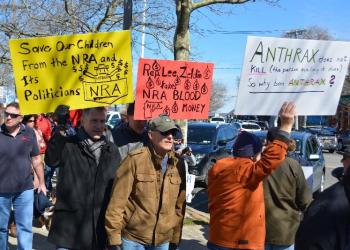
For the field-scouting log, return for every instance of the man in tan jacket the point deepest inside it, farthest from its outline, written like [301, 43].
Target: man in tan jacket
[147, 206]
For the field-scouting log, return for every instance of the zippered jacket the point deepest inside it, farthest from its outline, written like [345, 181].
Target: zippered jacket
[236, 199]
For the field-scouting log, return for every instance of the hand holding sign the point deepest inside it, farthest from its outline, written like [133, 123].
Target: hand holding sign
[287, 113]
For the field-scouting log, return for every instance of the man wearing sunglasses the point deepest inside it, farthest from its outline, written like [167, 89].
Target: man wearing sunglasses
[148, 199]
[19, 151]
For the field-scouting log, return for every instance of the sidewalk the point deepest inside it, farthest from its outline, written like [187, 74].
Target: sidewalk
[194, 234]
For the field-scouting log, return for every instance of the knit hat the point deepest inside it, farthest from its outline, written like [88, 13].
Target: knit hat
[247, 145]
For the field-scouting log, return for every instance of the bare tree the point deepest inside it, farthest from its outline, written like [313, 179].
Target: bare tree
[313, 32]
[218, 96]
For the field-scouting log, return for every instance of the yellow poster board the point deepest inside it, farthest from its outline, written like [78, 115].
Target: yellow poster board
[81, 71]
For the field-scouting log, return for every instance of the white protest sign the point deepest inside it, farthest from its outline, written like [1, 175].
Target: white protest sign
[309, 72]
[190, 181]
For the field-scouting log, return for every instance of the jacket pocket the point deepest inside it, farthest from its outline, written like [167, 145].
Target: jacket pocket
[174, 187]
[145, 185]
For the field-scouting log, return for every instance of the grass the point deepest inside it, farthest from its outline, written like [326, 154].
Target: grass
[188, 221]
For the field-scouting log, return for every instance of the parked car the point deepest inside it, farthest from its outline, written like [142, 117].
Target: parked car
[343, 139]
[217, 119]
[246, 126]
[113, 118]
[327, 137]
[264, 125]
[209, 141]
[309, 155]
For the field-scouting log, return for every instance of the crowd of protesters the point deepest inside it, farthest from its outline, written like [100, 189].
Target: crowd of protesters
[125, 188]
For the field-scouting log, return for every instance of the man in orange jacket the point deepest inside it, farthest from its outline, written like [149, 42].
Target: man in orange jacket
[236, 199]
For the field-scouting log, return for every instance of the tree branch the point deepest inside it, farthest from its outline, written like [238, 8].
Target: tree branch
[204, 3]
[109, 12]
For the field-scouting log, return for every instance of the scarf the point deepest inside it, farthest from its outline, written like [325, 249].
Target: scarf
[93, 147]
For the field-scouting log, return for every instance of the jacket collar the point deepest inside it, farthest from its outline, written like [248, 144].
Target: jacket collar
[157, 159]
[4, 130]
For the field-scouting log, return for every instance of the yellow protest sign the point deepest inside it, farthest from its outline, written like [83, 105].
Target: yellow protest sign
[82, 71]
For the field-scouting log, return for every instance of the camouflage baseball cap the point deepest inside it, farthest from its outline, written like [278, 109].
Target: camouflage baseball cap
[162, 123]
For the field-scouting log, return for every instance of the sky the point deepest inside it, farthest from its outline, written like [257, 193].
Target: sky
[226, 49]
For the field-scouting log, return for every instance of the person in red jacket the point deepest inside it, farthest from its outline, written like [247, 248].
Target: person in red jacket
[236, 199]
[44, 125]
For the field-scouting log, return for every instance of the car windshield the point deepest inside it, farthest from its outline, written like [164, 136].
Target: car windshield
[250, 126]
[321, 131]
[200, 135]
[217, 119]
[114, 121]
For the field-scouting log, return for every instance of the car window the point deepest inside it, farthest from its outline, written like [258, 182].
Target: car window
[250, 126]
[311, 146]
[114, 121]
[200, 135]
[308, 149]
[298, 146]
[314, 145]
[221, 135]
[231, 133]
[217, 119]
[236, 125]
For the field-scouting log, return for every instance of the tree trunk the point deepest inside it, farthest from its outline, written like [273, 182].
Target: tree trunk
[182, 33]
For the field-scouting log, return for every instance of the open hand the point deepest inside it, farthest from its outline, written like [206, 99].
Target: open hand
[286, 114]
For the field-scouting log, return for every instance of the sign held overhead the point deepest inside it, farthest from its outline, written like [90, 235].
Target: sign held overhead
[309, 72]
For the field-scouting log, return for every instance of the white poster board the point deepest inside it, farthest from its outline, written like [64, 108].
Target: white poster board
[309, 72]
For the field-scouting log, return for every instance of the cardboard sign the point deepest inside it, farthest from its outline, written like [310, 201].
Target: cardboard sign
[180, 89]
[309, 72]
[81, 71]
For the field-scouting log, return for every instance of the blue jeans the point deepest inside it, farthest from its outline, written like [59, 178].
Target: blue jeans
[278, 247]
[133, 245]
[22, 203]
[48, 174]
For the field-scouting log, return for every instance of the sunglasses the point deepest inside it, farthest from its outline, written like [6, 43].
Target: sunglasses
[167, 133]
[13, 116]
[30, 120]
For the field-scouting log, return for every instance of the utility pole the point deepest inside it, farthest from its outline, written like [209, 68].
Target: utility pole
[297, 33]
[143, 29]
[127, 20]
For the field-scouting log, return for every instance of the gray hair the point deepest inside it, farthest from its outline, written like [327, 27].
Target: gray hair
[87, 111]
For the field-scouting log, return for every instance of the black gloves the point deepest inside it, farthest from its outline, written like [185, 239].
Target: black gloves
[114, 247]
[172, 246]
[61, 115]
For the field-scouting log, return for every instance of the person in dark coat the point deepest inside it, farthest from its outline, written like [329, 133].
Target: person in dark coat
[326, 225]
[88, 163]
[286, 195]
[131, 135]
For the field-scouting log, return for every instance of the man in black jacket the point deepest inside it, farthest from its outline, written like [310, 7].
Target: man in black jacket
[326, 225]
[88, 163]
[131, 135]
